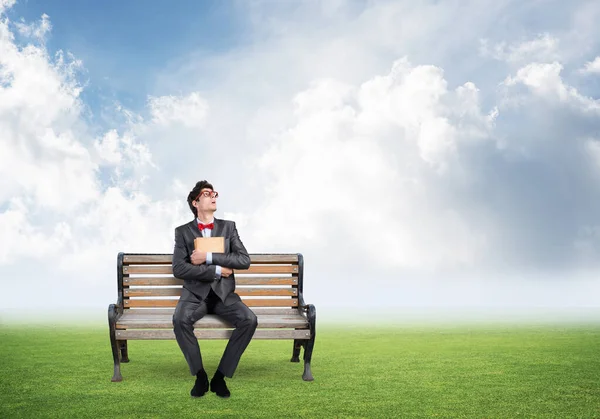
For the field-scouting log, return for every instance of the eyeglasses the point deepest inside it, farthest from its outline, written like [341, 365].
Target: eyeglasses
[208, 194]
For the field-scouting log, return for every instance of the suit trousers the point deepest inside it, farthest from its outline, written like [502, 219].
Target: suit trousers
[190, 309]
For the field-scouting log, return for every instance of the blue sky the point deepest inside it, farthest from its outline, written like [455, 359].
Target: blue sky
[123, 45]
[466, 135]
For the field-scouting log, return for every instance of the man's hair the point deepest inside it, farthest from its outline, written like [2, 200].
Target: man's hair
[203, 184]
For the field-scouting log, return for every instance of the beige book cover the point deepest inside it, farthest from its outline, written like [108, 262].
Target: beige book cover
[210, 244]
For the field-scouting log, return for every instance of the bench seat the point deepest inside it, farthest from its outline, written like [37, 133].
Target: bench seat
[142, 324]
[272, 287]
[141, 319]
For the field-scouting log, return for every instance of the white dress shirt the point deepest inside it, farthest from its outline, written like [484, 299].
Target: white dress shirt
[206, 233]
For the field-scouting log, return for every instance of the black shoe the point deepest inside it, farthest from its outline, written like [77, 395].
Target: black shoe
[201, 385]
[217, 385]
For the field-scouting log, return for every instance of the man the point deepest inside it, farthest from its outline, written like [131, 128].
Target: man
[209, 287]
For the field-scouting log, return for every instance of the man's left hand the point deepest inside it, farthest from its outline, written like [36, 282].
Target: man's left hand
[198, 258]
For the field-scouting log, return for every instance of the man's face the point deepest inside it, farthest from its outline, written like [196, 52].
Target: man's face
[207, 200]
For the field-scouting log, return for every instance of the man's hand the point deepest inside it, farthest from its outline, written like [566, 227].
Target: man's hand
[225, 272]
[198, 258]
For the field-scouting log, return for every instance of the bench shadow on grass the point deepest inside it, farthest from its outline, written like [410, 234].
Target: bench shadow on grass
[177, 368]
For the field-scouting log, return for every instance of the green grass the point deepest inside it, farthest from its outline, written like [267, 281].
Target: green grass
[450, 371]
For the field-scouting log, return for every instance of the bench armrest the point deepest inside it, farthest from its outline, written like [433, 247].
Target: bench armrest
[302, 306]
[119, 306]
[310, 312]
[114, 313]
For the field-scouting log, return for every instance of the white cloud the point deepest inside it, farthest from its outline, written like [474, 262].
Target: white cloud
[189, 111]
[592, 67]
[361, 154]
[400, 174]
[37, 30]
[544, 48]
[68, 200]
[545, 80]
[39, 105]
[124, 152]
[6, 4]
[23, 240]
[108, 147]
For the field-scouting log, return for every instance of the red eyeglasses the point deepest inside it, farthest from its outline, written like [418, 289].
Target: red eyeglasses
[208, 194]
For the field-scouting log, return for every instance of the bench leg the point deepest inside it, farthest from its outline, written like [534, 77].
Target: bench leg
[112, 319]
[310, 343]
[124, 353]
[296, 350]
[308, 349]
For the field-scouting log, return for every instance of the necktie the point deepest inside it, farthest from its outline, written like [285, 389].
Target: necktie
[203, 226]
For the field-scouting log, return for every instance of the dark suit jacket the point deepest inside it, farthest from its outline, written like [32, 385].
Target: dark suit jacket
[199, 279]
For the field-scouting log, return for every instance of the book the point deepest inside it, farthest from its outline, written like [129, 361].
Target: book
[210, 244]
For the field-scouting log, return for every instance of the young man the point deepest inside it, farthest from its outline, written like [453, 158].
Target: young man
[209, 286]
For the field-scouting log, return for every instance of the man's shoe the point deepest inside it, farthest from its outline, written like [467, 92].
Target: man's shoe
[201, 385]
[217, 385]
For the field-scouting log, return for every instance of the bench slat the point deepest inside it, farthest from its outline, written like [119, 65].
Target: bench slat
[239, 280]
[210, 321]
[268, 269]
[163, 292]
[169, 311]
[168, 258]
[254, 269]
[250, 302]
[268, 258]
[212, 334]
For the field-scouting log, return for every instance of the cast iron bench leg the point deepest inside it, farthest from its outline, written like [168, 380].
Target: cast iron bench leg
[124, 353]
[310, 343]
[112, 319]
[296, 350]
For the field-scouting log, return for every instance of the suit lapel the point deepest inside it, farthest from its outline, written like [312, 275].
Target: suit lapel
[217, 229]
[193, 226]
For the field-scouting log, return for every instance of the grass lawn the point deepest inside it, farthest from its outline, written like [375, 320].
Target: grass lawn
[489, 371]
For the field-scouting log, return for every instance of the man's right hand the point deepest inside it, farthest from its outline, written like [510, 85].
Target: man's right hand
[197, 257]
[225, 272]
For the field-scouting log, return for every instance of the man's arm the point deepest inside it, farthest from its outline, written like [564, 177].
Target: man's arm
[183, 269]
[237, 258]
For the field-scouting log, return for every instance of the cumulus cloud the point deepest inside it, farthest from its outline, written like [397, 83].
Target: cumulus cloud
[390, 163]
[592, 67]
[37, 30]
[39, 106]
[6, 4]
[545, 80]
[543, 48]
[19, 235]
[69, 200]
[189, 111]
[378, 155]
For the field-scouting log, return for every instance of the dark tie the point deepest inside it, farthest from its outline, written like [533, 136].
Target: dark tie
[203, 226]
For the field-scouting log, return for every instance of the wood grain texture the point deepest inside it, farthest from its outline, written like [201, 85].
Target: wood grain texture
[239, 280]
[250, 302]
[176, 292]
[268, 269]
[211, 334]
[152, 280]
[265, 280]
[163, 259]
[210, 321]
[273, 258]
[147, 258]
[167, 311]
[168, 269]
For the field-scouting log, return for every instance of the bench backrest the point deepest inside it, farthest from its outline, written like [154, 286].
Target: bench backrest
[146, 281]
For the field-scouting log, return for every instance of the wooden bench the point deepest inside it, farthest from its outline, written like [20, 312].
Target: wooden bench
[148, 293]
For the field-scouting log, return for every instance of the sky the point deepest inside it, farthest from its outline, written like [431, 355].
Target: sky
[429, 156]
